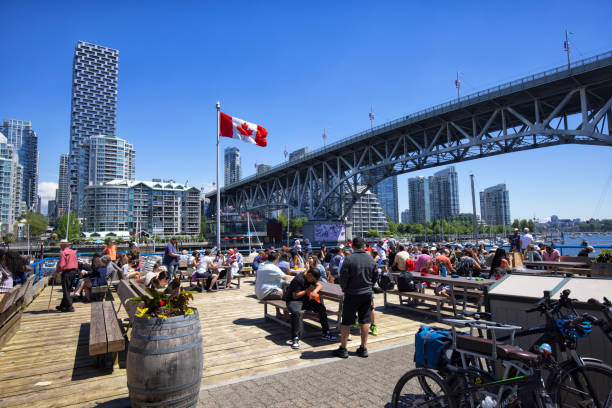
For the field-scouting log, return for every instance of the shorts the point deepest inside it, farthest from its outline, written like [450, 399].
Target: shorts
[203, 275]
[357, 304]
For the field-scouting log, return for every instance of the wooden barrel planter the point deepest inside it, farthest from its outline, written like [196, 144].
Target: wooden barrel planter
[164, 362]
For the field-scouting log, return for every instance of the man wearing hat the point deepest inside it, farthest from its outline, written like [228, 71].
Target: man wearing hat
[586, 251]
[515, 241]
[171, 258]
[67, 265]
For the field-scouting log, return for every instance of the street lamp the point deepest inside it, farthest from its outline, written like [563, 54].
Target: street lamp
[25, 221]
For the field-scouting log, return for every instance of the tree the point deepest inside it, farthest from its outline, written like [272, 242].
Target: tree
[372, 233]
[515, 223]
[393, 226]
[531, 225]
[9, 237]
[75, 227]
[38, 223]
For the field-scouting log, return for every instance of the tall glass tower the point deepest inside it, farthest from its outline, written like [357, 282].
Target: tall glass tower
[93, 108]
[20, 134]
[495, 205]
[419, 200]
[444, 194]
[63, 186]
[11, 180]
[386, 191]
[110, 158]
[233, 169]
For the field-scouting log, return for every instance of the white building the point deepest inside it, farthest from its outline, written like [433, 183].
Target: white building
[367, 214]
[11, 182]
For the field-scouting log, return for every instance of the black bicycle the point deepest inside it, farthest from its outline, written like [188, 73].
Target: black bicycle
[461, 382]
[576, 381]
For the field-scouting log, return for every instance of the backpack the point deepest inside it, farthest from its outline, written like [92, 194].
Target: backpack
[405, 282]
[430, 346]
[386, 281]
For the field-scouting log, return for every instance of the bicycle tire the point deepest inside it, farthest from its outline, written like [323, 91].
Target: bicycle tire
[565, 393]
[425, 379]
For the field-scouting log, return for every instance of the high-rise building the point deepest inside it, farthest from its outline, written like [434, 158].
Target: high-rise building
[52, 210]
[262, 168]
[495, 205]
[405, 216]
[386, 191]
[444, 197]
[367, 214]
[419, 194]
[11, 182]
[93, 108]
[299, 153]
[63, 186]
[22, 137]
[157, 207]
[233, 168]
[110, 158]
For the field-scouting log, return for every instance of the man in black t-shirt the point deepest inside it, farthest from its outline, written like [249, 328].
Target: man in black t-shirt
[303, 294]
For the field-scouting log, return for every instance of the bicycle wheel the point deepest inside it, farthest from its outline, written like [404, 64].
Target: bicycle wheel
[421, 388]
[590, 386]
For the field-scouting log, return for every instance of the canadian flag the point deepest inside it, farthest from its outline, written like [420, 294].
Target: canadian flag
[242, 130]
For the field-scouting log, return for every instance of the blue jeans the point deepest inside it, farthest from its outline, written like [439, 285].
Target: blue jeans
[171, 271]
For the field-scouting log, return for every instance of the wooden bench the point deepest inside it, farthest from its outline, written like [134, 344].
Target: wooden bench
[282, 305]
[416, 296]
[105, 335]
[221, 282]
[247, 270]
[126, 293]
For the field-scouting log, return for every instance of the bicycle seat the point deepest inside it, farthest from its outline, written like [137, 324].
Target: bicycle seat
[485, 346]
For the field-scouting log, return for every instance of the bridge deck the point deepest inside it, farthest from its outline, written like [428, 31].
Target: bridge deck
[47, 363]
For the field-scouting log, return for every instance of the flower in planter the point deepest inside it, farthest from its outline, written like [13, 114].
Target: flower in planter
[164, 304]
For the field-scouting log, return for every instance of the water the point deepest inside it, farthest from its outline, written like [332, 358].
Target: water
[593, 240]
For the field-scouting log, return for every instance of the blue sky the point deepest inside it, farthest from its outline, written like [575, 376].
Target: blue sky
[299, 68]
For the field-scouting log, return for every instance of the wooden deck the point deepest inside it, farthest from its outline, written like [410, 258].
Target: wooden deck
[47, 362]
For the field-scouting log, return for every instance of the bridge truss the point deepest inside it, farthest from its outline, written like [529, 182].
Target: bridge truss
[553, 108]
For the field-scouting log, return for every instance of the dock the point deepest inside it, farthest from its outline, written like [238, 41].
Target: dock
[47, 362]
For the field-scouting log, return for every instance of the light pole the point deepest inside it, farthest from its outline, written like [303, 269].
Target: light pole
[25, 221]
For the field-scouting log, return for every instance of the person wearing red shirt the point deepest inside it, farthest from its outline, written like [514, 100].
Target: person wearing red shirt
[68, 266]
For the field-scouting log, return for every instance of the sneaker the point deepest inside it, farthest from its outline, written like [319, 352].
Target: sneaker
[58, 308]
[328, 336]
[341, 352]
[374, 330]
[362, 352]
[70, 309]
[296, 343]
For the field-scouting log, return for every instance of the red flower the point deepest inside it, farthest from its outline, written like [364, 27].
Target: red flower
[161, 303]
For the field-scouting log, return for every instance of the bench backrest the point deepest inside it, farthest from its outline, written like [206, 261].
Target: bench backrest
[9, 298]
[126, 293]
[584, 259]
[24, 288]
[139, 288]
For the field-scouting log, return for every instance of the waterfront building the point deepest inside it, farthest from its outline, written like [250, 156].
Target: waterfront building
[495, 205]
[233, 167]
[11, 183]
[109, 158]
[299, 153]
[22, 137]
[93, 108]
[419, 207]
[262, 168]
[52, 209]
[386, 191]
[406, 216]
[63, 186]
[367, 214]
[444, 192]
[157, 207]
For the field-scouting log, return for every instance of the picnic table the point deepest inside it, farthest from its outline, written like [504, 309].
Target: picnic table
[461, 283]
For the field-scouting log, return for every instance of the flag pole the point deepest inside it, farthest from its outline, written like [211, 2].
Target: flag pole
[218, 189]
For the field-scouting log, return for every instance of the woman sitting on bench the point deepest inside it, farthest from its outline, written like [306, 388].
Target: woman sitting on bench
[124, 264]
[206, 270]
[97, 277]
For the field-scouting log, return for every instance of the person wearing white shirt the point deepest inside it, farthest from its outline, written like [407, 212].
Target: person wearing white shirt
[526, 239]
[268, 283]
[206, 269]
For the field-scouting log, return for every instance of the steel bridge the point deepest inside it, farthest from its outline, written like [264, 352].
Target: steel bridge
[555, 107]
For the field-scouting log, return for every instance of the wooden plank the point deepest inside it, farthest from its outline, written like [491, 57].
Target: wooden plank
[126, 293]
[114, 336]
[97, 330]
[9, 298]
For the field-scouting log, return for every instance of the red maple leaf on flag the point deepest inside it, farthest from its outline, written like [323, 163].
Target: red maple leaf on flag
[244, 129]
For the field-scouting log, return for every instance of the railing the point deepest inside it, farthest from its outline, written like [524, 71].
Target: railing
[422, 113]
